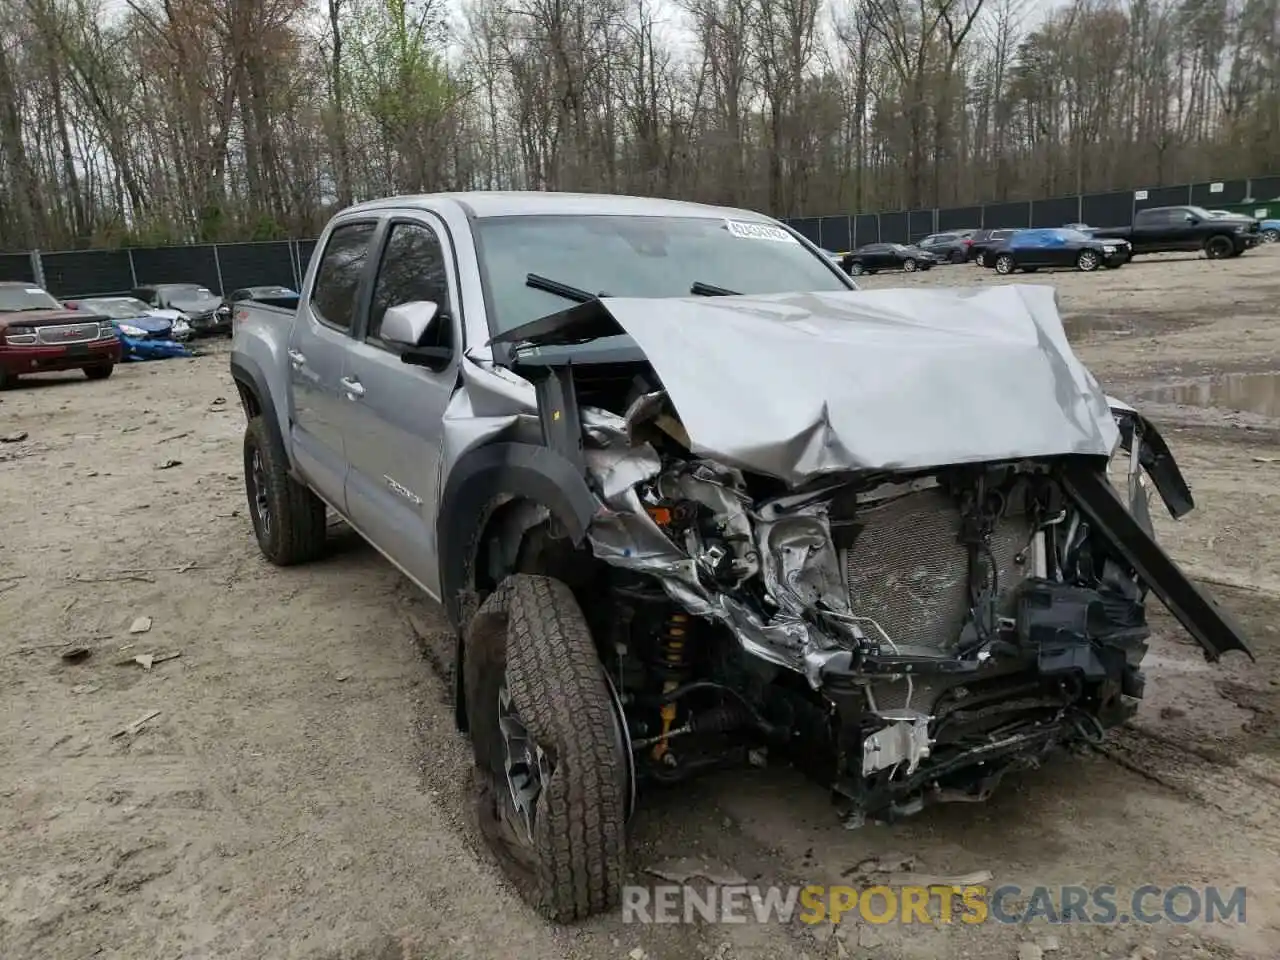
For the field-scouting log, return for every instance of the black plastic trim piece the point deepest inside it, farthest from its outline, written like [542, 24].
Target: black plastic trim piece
[1209, 625]
[523, 470]
[245, 371]
[581, 322]
[1157, 460]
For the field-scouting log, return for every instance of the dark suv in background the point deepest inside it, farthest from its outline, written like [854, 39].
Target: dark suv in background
[951, 246]
[984, 240]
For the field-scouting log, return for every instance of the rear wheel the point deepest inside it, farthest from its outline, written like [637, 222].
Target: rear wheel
[1270, 236]
[1005, 264]
[288, 519]
[1218, 247]
[1088, 261]
[550, 755]
[856, 269]
[957, 256]
[909, 265]
[100, 372]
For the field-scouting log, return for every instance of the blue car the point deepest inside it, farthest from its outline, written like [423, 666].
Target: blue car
[1270, 230]
[143, 334]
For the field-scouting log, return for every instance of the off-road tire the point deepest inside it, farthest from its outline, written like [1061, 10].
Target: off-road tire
[296, 531]
[99, 371]
[531, 632]
[1088, 261]
[1009, 265]
[1218, 247]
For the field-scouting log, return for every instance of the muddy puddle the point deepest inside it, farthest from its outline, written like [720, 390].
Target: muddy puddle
[1253, 392]
[1127, 323]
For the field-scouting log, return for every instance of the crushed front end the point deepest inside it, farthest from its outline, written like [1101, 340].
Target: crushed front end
[905, 633]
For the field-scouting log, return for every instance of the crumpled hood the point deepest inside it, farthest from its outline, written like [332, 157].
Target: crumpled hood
[798, 385]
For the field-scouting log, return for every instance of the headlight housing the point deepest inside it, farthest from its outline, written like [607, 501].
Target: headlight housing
[18, 336]
[129, 330]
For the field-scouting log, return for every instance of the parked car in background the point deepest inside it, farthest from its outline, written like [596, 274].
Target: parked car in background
[1030, 250]
[872, 257]
[130, 311]
[273, 295]
[949, 247]
[38, 334]
[980, 240]
[1269, 230]
[202, 307]
[144, 335]
[1175, 229]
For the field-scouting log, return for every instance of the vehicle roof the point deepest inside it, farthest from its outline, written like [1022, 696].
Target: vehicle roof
[171, 283]
[516, 203]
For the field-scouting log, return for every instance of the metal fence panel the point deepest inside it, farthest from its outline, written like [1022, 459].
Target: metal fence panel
[84, 273]
[834, 234]
[305, 248]
[1265, 188]
[1006, 215]
[1107, 209]
[1162, 197]
[960, 218]
[256, 264]
[895, 227]
[1055, 212]
[808, 227]
[866, 229]
[177, 265]
[920, 224]
[1228, 192]
[16, 268]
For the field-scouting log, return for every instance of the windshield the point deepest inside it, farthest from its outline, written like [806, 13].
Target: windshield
[123, 307]
[1200, 212]
[191, 292]
[1068, 234]
[20, 299]
[628, 256]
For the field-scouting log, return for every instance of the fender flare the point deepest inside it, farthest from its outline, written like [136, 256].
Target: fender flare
[248, 375]
[530, 472]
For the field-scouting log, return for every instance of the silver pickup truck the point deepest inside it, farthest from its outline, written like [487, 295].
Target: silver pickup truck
[690, 498]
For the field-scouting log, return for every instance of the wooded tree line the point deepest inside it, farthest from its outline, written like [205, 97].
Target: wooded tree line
[155, 121]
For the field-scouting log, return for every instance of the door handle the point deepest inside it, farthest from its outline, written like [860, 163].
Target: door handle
[296, 358]
[354, 388]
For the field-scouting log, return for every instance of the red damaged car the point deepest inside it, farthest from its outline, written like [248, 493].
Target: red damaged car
[39, 334]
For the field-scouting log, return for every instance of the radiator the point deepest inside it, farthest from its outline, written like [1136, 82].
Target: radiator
[909, 573]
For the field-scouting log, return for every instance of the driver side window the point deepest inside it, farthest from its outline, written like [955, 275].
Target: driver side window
[412, 268]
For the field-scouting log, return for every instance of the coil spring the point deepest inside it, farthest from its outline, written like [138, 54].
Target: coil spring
[673, 649]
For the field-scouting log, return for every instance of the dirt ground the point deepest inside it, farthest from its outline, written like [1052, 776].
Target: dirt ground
[297, 788]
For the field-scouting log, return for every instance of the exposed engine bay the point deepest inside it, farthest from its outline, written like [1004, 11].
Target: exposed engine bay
[904, 635]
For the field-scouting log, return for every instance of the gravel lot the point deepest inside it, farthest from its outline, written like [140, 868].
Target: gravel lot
[298, 790]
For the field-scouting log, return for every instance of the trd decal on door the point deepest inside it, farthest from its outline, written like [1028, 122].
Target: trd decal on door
[403, 490]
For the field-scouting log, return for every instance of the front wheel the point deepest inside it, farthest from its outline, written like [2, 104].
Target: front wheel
[551, 758]
[910, 266]
[1088, 261]
[1270, 236]
[288, 519]
[1005, 264]
[100, 372]
[1218, 247]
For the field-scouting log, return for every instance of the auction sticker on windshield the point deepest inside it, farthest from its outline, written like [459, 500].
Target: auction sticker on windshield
[746, 230]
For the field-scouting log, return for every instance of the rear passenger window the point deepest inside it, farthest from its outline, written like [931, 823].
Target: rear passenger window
[338, 280]
[412, 269]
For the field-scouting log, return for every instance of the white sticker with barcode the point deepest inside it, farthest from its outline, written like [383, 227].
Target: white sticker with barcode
[746, 230]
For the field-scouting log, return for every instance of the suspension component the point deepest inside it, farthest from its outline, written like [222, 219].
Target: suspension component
[673, 663]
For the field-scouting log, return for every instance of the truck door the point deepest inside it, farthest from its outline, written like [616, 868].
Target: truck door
[396, 410]
[319, 341]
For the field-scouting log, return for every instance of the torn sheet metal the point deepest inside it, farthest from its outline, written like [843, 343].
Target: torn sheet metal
[814, 383]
